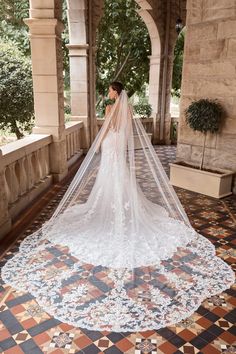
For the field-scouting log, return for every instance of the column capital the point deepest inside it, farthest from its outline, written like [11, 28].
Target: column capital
[44, 26]
[154, 59]
[78, 50]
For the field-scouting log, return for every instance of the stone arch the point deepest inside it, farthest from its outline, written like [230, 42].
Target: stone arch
[81, 56]
[154, 70]
[155, 57]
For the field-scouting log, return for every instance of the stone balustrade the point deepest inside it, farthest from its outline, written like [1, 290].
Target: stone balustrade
[148, 126]
[25, 170]
[73, 141]
[147, 123]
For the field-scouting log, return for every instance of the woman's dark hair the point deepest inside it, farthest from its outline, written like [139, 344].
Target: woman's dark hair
[117, 86]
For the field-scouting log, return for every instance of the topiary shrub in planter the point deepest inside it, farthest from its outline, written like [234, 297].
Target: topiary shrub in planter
[204, 115]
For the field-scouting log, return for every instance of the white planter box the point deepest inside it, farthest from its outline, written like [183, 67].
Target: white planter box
[204, 182]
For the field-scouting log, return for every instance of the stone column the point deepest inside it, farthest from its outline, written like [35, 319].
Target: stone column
[47, 70]
[154, 71]
[167, 121]
[5, 220]
[79, 89]
[78, 48]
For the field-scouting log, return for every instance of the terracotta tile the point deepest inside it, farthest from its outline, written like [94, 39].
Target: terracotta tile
[17, 309]
[147, 334]
[204, 322]
[124, 344]
[209, 349]
[42, 338]
[219, 311]
[4, 334]
[186, 335]
[232, 300]
[83, 341]
[14, 350]
[58, 351]
[30, 322]
[65, 327]
[10, 297]
[167, 348]
[228, 337]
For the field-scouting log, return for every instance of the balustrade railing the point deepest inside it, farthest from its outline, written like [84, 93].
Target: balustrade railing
[25, 170]
[73, 139]
[148, 126]
[25, 165]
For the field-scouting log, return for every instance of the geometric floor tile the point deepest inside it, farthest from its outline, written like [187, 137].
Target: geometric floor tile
[228, 349]
[21, 337]
[103, 343]
[25, 328]
[217, 300]
[62, 340]
[189, 349]
[145, 346]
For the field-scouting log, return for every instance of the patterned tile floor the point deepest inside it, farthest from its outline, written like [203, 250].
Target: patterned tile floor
[26, 328]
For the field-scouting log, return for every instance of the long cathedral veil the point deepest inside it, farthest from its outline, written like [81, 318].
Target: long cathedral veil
[132, 133]
[119, 252]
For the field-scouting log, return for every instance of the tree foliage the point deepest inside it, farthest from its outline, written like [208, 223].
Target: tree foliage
[16, 91]
[178, 64]
[13, 29]
[123, 46]
[12, 26]
[143, 110]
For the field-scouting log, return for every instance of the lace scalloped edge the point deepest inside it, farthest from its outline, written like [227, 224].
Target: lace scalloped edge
[206, 294]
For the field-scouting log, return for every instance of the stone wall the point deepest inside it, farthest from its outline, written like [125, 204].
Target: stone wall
[210, 72]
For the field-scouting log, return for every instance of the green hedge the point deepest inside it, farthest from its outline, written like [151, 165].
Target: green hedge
[16, 90]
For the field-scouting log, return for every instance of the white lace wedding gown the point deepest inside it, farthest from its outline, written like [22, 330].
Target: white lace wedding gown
[96, 270]
[100, 230]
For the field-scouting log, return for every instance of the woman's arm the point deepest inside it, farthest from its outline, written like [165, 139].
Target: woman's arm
[107, 111]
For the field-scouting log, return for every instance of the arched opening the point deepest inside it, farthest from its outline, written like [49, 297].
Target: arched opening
[149, 34]
[176, 84]
[82, 81]
[154, 70]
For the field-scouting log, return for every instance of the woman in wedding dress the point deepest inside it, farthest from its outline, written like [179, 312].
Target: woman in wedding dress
[119, 252]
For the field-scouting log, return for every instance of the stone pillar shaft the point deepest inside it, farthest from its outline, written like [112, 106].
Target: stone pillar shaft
[47, 70]
[78, 48]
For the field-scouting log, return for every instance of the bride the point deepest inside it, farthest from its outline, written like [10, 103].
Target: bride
[119, 252]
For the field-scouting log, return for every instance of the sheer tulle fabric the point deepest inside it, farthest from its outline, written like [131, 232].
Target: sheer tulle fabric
[119, 252]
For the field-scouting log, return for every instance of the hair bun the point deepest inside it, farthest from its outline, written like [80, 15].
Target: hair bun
[117, 86]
